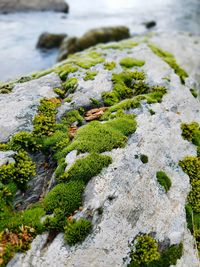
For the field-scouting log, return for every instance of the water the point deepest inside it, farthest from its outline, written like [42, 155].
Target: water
[19, 32]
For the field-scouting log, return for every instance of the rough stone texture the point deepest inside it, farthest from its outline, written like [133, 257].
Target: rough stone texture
[92, 37]
[33, 5]
[127, 190]
[18, 108]
[6, 157]
[50, 40]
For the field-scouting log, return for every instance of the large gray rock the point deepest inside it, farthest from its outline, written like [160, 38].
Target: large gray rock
[92, 37]
[127, 190]
[33, 5]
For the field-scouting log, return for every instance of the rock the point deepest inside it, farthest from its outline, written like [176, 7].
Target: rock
[25, 99]
[92, 37]
[50, 40]
[7, 6]
[150, 24]
[6, 157]
[126, 192]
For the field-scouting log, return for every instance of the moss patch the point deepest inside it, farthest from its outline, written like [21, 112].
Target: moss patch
[144, 159]
[147, 253]
[163, 180]
[77, 231]
[90, 75]
[129, 62]
[86, 168]
[109, 65]
[171, 61]
[120, 45]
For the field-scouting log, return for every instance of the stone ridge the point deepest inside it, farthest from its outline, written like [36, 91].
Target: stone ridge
[124, 198]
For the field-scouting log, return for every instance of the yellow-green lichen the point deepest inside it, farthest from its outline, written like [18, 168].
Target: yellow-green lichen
[109, 65]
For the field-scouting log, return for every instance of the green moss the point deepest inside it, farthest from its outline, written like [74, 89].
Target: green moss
[120, 45]
[146, 253]
[146, 250]
[70, 85]
[144, 158]
[73, 116]
[86, 168]
[23, 140]
[57, 222]
[7, 172]
[163, 180]
[95, 103]
[171, 61]
[152, 112]
[64, 70]
[191, 132]
[44, 122]
[109, 65]
[90, 75]
[129, 62]
[29, 217]
[67, 197]
[68, 100]
[7, 192]
[86, 60]
[59, 92]
[25, 168]
[194, 92]
[99, 137]
[77, 231]
[126, 84]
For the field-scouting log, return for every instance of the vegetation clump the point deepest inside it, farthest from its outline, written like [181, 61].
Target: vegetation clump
[67, 197]
[191, 132]
[129, 62]
[125, 44]
[194, 92]
[163, 180]
[144, 159]
[86, 168]
[90, 75]
[77, 231]
[147, 253]
[171, 61]
[64, 70]
[70, 85]
[109, 65]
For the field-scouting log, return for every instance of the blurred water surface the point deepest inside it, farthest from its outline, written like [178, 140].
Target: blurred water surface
[19, 32]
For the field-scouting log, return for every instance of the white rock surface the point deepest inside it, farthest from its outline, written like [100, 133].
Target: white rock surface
[18, 108]
[138, 203]
[6, 157]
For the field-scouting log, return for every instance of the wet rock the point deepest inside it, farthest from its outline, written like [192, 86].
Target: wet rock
[150, 24]
[50, 40]
[92, 37]
[7, 6]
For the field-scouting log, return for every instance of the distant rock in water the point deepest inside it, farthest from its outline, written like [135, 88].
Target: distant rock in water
[50, 40]
[92, 37]
[7, 6]
[150, 24]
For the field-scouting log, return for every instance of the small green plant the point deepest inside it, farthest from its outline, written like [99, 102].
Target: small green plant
[191, 132]
[109, 65]
[163, 180]
[125, 44]
[67, 197]
[144, 159]
[90, 75]
[64, 70]
[146, 250]
[77, 231]
[86, 168]
[129, 62]
[59, 92]
[73, 116]
[70, 85]
[95, 103]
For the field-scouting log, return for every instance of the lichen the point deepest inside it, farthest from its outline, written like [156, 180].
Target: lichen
[129, 62]
[171, 61]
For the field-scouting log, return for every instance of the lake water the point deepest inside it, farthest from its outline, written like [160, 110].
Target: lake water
[19, 32]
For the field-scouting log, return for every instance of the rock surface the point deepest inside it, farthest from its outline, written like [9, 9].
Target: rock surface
[50, 40]
[92, 37]
[33, 5]
[127, 190]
